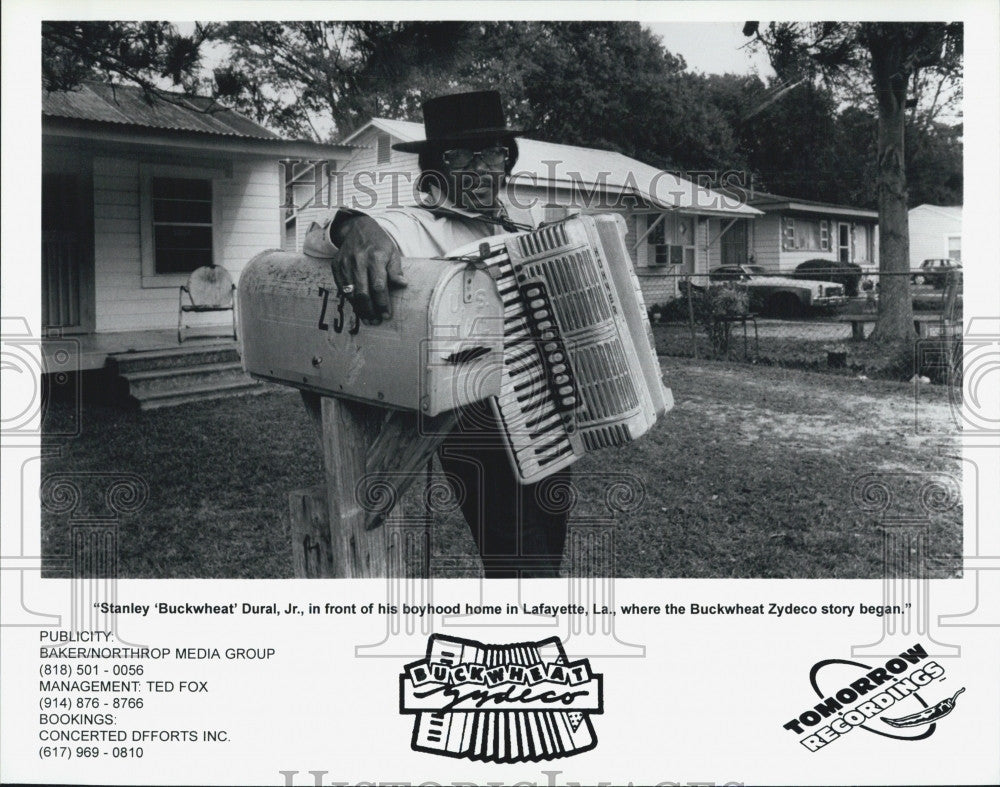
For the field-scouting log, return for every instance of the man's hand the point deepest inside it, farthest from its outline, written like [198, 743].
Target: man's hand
[366, 265]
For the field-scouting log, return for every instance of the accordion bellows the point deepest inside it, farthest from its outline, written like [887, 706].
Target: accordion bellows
[548, 325]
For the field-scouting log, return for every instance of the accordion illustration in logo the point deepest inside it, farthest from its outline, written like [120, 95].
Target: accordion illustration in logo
[522, 702]
[549, 326]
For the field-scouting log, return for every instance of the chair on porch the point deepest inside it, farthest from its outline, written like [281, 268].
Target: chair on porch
[208, 289]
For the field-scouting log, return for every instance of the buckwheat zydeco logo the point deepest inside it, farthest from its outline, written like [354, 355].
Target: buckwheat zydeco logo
[523, 702]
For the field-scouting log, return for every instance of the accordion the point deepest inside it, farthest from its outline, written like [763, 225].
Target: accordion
[579, 366]
[549, 326]
[460, 676]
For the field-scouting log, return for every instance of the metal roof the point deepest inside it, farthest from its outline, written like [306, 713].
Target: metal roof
[548, 164]
[573, 167]
[127, 105]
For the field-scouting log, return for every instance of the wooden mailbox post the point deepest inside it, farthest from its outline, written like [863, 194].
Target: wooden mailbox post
[336, 531]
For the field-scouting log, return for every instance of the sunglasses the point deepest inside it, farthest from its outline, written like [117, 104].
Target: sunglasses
[493, 157]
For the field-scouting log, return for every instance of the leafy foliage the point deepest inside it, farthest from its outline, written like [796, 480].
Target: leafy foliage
[809, 132]
[889, 58]
[298, 76]
[142, 53]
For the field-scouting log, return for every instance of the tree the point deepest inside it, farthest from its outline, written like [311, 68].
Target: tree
[148, 54]
[323, 79]
[602, 84]
[892, 55]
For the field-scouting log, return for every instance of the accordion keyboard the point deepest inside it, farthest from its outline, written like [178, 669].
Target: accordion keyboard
[537, 396]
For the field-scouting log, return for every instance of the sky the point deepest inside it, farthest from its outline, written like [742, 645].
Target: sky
[712, 47]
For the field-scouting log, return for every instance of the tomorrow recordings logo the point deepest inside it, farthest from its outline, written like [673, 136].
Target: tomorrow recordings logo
[881, 699]
[523, 702]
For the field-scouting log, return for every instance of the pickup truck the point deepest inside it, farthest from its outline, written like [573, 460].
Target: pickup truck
[780, 295]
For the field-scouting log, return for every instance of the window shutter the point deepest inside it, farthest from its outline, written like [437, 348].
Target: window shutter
[824, 235]
[789, 235]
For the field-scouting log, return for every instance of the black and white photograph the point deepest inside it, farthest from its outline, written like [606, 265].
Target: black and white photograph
[477, 374]
[784, 248]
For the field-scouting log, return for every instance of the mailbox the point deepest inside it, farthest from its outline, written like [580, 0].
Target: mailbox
[442, 348]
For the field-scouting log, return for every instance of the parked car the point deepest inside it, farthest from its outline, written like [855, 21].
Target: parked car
[845, 273]
[780, 295]
[934, 271]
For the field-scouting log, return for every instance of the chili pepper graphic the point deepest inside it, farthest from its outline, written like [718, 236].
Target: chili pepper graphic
[927, 715]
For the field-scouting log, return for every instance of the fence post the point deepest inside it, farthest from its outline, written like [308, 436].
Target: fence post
[690, 301]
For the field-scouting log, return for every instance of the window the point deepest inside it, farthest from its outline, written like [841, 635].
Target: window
[659, 251]
[805, 235]
[180, 218]
[955, 247]
[383, 149]
[671, 241]
[182, 223]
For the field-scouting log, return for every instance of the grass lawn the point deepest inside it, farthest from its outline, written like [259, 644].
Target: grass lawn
[750, 475]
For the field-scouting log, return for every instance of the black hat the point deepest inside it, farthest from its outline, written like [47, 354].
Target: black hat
[460, 118]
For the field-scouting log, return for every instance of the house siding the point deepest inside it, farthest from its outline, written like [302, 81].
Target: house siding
[766, 242]
[859, 251]
[764, 236]
[658, 283]
[929, 231]
[364, 183]
[248, 223]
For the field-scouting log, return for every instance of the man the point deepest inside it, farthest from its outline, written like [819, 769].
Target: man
[464, 160]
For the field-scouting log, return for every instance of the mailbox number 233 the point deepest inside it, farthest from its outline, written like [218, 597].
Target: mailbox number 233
[339, 319]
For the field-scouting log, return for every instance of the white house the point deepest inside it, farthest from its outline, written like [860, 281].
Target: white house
[668, 217]
[794, 230]
[935, 232]
[137, 194]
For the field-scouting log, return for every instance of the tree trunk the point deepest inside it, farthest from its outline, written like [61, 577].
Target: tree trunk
[895, 308]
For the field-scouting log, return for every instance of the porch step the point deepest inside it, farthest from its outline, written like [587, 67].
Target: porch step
[173, 357]
[178, 375]
[203, 393]
[153, 382]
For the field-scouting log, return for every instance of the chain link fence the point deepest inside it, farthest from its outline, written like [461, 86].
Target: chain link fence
[823, 320]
